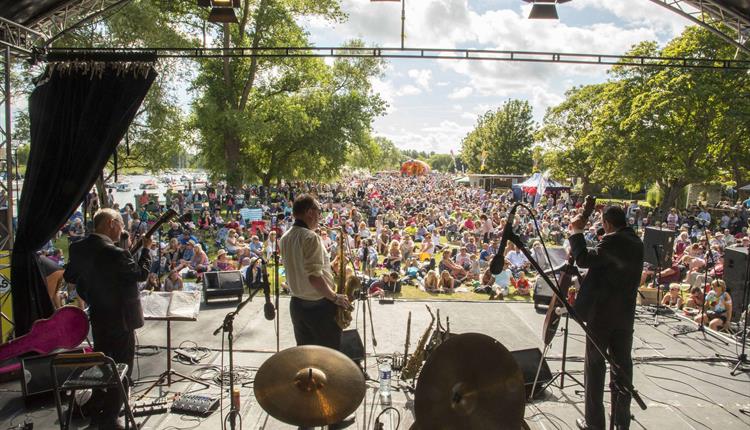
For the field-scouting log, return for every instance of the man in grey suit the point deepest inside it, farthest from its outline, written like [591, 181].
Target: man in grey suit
[106, 277]
[606, 302]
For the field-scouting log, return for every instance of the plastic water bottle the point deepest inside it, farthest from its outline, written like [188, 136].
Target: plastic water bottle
[385, 382]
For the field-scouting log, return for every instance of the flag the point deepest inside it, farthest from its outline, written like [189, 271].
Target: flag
[540, 188]
[484, 159]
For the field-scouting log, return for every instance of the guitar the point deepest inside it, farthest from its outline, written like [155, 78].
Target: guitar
[164, 218]
[568, 272]
[65, 329]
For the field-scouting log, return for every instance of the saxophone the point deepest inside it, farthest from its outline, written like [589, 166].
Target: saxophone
[414, 362]
[344, 286]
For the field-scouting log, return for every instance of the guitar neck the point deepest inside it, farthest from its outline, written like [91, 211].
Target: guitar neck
[165, 217]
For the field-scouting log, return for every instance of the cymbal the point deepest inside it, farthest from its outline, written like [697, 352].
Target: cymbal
[471, 381]
[309, 386]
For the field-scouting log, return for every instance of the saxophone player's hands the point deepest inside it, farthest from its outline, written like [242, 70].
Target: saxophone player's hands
[342, 301]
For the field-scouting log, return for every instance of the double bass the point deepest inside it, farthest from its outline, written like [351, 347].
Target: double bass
[567, 272]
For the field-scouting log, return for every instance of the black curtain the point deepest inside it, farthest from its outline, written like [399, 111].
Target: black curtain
[78, 112]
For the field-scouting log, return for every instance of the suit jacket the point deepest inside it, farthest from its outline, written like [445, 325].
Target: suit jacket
[107, 277]
[608, 292]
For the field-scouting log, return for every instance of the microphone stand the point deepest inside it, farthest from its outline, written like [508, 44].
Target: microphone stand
[618, 381]
[701, 328]
[228, 327]
[364, 298]
[657, 308]
[276, 287]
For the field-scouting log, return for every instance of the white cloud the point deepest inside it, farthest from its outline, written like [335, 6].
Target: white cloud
[421, 77]
[461, 93]
[586, 26]
[440, 138]
[637, 12]
[408, 90]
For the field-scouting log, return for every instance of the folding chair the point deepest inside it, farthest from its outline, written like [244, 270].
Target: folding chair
[93, 371]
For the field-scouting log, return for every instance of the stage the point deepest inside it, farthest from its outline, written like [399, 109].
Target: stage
[681, 380]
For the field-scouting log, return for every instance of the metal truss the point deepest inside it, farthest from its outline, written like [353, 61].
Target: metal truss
[112, 54]
[715, 16]
[18, 38]
[74, 14]
[6, 156]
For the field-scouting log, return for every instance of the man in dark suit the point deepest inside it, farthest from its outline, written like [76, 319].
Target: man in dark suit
[106, 277]
[606, 302]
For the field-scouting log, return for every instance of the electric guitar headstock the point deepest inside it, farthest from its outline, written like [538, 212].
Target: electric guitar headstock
[164, 218]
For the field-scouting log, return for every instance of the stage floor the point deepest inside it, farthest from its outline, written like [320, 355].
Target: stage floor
[680, 379]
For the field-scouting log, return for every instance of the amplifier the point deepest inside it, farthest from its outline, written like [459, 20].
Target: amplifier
[196, 404]
[37, 374]
[648, 298]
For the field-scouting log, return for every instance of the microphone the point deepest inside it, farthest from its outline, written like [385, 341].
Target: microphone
[269, 310]
[498, 261]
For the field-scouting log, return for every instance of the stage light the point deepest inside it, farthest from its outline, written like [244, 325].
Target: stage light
[221, 10]
[544, 9]
[222, 14]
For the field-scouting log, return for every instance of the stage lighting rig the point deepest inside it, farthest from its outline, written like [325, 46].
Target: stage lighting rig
[544, 9]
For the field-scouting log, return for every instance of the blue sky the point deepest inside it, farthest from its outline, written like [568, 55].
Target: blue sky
[433, 104]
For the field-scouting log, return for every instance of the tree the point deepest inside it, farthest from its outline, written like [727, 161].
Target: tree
[246, 103]
[501, 141]
[391, 157]
[441, 163]
[572, 145]
[667, 121]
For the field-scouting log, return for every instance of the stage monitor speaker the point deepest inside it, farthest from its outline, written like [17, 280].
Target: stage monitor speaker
[227, 280]
[663, 238]
[37, 374]
[528, 361]
[735, 276]
[352, 346]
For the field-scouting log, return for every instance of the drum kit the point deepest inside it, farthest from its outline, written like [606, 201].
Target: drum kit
[471, 381]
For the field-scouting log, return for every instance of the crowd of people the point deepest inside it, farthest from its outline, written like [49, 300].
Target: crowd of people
[426, 232]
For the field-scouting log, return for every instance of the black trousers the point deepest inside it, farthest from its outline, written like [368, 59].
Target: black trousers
[314, 322]
[619, 343]
[120, 347]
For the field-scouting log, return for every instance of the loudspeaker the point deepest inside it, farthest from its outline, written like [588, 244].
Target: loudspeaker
[528, 361]
[735, 272]
[223, 284]
[37, 375]
[352, 346]
[663, 239]
[228, 280]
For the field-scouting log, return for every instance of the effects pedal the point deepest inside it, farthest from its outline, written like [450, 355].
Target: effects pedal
[196, 404]
[153, 407]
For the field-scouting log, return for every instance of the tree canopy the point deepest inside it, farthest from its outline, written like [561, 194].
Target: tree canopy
[501, 141]
[671, 126]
